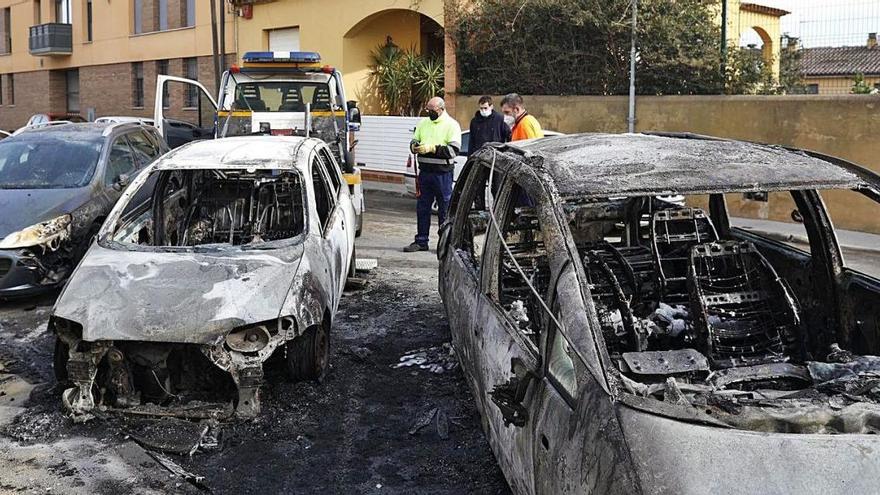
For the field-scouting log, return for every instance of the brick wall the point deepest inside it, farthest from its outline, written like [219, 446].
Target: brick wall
[106, 88]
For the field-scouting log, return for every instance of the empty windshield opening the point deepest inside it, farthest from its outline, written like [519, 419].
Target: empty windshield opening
[47, 162]
[185, 208]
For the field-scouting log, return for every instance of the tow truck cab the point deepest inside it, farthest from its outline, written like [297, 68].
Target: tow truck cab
[272, 93]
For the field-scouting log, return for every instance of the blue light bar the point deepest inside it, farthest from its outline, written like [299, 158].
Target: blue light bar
[287, 57]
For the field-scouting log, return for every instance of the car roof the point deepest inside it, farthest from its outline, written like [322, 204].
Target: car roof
[275, 152]
[76, 130]
[599, 165]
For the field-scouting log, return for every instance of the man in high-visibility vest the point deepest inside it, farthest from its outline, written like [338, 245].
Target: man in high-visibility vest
[436, 143]
[523, 125]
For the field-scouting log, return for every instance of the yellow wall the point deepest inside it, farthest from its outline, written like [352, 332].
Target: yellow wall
[839, 85]
[343, 32]
[843, 126]
[113, 41]
[740, 22]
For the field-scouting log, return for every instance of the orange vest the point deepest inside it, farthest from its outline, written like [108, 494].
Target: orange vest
[527, 127]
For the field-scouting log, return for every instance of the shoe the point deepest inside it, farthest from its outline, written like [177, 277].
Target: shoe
[415, 247]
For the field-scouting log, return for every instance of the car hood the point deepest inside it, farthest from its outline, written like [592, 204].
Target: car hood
[672, 456]
[194, 298]
[25, 207]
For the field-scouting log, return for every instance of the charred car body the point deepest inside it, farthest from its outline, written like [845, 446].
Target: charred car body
[57, 184]
[619, 343]
[222, 253]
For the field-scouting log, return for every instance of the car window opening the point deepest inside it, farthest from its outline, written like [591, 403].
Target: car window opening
[183, 208]
[702, 316]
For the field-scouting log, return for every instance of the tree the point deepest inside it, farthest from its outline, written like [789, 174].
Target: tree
[860, 86]
[748, 73]
[403, 79]
[791, 79]
[566, 47]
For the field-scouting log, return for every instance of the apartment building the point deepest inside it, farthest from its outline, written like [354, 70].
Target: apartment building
[100, 57]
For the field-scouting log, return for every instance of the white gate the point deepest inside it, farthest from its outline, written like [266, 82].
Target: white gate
[383, 143]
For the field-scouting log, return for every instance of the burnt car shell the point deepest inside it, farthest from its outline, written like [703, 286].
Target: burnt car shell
[610, 434]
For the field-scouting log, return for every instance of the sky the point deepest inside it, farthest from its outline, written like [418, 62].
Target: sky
[825, 22]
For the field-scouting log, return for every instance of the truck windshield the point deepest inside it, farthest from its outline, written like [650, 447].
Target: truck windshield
[282, 96]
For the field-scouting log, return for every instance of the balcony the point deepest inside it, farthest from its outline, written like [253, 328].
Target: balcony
[50, 39]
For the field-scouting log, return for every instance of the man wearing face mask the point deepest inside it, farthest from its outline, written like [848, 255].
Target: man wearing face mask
[523, 125]
[435, 143]
[487, 126]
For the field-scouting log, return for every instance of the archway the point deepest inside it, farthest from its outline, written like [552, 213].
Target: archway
[407, 29]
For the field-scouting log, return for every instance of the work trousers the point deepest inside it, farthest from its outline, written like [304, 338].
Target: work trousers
[432, 186]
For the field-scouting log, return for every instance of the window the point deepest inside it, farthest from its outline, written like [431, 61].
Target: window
[772, 214]
[11, 79]
[163, 15]
[856, 220]
[137, 84]
[88, 17]
[524, 238]
[189, 12]
[284, 40]
[38, 14]
[471, 239]
[7, 31]
[145, 150]
[162, 69]
[332, 169]
[1, 89]
[72, 79]
[561, 367]
[812, 89]
[138, 16]
[62, 11]
[119, 162]
[191, 66]
[323, 196]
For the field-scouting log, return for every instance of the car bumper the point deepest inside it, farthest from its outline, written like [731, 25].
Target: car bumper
[22, 274]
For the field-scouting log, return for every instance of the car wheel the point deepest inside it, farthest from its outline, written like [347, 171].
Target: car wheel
[352, 265]
[60, 362]
[308, 355]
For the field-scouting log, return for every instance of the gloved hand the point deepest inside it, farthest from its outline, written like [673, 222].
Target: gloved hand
[425, 149]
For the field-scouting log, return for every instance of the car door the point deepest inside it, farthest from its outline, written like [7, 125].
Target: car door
[119, 167]
[510, 314]
[334, 242]
[340, 189]
[461, 246]
[200, 120]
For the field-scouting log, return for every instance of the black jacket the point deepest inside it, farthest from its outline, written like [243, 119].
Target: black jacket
[491, 129]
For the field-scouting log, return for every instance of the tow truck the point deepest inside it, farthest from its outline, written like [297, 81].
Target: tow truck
[274, 93]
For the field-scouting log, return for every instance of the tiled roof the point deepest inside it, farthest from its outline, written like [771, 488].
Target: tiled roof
[840, 61]
[763, 9]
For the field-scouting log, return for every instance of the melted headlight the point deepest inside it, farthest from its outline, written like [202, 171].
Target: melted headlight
[248, 339]
[49, 234]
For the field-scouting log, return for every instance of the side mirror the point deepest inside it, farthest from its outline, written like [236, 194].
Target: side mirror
[122, 182]
[509, 396]
[354, 117]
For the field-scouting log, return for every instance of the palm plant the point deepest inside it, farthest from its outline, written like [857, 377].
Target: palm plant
[404, 79]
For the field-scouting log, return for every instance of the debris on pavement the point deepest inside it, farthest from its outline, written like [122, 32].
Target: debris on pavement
[176, 436]
[423, 421]
[437, 359]
[196, 480]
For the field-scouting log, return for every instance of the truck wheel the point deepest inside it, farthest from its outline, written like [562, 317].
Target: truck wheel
[60, 362]
[308, 355]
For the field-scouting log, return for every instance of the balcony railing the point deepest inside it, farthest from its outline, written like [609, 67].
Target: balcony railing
[50, 39]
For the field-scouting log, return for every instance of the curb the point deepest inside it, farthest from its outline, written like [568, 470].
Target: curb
[800, 239]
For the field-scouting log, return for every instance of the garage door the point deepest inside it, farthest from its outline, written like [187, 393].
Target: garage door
[284, 40]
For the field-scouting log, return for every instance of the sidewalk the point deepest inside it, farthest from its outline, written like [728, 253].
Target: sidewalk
[792, 232]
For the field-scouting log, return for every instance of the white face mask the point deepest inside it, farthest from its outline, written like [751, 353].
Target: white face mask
[485, 112]
[509, 120]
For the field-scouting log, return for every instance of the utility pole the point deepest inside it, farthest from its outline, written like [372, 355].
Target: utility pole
[724, 42]
[222, 33]
[632, 70]
[214, 44]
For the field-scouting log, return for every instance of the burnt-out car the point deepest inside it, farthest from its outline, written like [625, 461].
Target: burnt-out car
[220, 254]
[616, 342]
[58, 182]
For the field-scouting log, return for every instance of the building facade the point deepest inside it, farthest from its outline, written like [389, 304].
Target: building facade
[99, 58]
[833, 70]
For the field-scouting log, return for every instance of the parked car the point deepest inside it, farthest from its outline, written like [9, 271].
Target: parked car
[57, 184]
[44, 118]
[618, 343]
[177, 132]
[220, 254]
[412, 172]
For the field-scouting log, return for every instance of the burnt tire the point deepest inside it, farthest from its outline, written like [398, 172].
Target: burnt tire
[308, 355]
[59, 362]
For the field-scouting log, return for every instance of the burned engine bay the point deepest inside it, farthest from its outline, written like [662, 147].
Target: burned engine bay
[217, 206]
[700, 321]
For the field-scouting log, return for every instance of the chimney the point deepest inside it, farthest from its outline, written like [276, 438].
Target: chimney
[872, 40]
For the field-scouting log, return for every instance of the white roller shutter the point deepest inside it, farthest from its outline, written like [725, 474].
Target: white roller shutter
[284, 40]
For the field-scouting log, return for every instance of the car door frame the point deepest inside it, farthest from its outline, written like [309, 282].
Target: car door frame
[334, 240]
[159, 119]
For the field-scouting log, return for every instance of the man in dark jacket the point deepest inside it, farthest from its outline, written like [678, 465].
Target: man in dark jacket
[487, 126]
